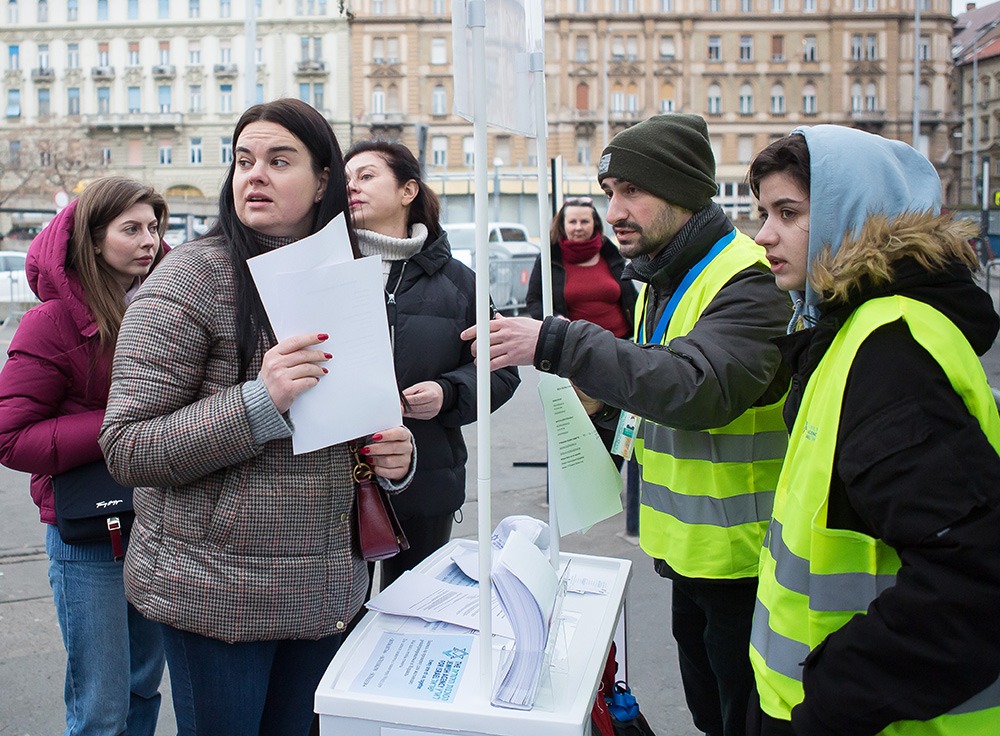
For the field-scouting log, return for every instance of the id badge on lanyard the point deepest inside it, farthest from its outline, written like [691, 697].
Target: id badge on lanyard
[628, 425]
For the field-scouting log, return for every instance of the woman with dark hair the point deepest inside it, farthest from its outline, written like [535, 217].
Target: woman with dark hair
[85, 266]
[430, 299]
[243, 551]
[586, 279]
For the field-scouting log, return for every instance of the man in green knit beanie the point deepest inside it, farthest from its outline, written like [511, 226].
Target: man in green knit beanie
[705, 385]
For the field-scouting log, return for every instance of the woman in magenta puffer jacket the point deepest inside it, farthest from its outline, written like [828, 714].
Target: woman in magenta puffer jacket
[84, 267]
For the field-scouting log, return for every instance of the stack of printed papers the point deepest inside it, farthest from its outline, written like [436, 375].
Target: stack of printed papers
[527, 586]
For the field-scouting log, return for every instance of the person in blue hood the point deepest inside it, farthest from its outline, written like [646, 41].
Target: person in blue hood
[880, 573]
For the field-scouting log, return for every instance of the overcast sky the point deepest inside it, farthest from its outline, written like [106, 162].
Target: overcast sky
[958, 6]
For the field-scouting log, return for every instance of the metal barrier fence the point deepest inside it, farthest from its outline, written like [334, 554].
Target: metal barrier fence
[509, 283]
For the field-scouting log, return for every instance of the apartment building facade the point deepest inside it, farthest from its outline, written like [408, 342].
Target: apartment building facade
[755, 69]
[152, 89]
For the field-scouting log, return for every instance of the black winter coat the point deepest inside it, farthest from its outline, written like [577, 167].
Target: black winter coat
[912, 467]
[609, 252]
[430, 299]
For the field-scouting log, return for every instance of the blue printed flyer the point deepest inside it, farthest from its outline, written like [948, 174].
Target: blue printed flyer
[418, 667]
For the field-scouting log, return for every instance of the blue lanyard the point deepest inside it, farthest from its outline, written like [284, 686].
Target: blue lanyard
[668, 312]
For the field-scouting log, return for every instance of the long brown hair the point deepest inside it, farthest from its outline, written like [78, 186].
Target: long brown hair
[557, 231]
[101, 202]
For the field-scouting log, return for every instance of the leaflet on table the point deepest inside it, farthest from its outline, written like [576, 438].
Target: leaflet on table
[315, 286]
[584, 479]
[421, 595]
[578, 579]
[428, 667]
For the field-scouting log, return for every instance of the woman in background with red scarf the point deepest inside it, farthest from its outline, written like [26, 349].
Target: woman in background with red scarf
[586, 277]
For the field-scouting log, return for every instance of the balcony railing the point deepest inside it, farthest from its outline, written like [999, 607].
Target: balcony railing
[142, 120]
[226, 70]
[102, 72]
[43, 74]
[161, 71]
[310, 66]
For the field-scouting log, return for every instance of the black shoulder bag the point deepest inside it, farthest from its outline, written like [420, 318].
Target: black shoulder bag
[91, 506]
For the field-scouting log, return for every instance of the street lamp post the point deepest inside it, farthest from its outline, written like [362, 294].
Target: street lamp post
[916, 74]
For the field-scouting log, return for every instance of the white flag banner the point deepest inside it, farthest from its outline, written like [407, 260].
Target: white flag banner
[514, 30]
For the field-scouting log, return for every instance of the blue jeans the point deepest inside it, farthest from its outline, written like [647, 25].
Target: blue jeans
[258, 688]
[114, 659]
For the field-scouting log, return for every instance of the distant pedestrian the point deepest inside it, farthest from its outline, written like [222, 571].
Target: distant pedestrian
[879, 593]
[243, 550]
[705, 382]
[430, 298]
[586, 278]
[85, 267]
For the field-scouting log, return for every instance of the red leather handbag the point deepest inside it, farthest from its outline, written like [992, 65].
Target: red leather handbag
[378, 531]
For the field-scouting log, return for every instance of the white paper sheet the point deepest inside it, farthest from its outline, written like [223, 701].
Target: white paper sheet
[581, 473]
[428, 667]
[314, 286]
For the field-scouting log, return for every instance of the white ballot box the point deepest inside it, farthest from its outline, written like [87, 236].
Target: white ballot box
[403, 676]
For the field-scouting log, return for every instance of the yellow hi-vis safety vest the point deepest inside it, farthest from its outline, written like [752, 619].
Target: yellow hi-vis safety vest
[814, 579]
[706, 496]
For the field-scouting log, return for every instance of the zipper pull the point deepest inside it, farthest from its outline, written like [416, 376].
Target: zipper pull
[391, 299]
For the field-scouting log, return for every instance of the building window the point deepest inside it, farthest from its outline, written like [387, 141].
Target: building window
[437, 7]
[392, 50]
[73, 101]
[43, 56]
[14, 154]
[746, 100]
[583, 146]
[925, 101]
[617, 47]
[632, 48]
[166, 154]
[583, 97]
[857, 48]
[378, 8]
[226, 150]
[583, 6]
[103, 55]
[163, 9]
[714, 99]
[777, 6]
[746, 6]
[744, 149]
[618, 100]
[746, 48]
[871, 98]
[259, 94]
[439, 51]
[164, 52]
[469, 150]
[134, 99]
[582, 48]
[225, 8]
[666, 97]
[378, 50]
[73, 55]
[132, 10]
[44, 102]
[13, 103]
[72, 9]
[310, 48]
[777, 100]
[667, 50]
[924, 49]
[106, 156]
[194, 54]
[871, 47]
[809, 100]
[103, 100]
[713, 6]
[194, 151]
[666, 6]
[133, 53]
[439, 150]
[809, 48]
[43, 11]
[378, 100]
[225, 54]
[194, 8]
[714, 48]
[102, 9]
[225, 98]
[858, 5]
[45, 158]
[13, 57]
[873, 5]
[777, 48]
[312, 93]
[856, 98]
[163, 96]
[439, 101]
[808, 6]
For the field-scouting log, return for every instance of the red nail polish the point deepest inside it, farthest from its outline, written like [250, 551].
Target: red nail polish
[365, 451]
[376, 437]
[322, 336]
[328, 356]
[325, 370]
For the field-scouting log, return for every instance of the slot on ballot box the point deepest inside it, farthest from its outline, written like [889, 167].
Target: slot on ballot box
[406, 676]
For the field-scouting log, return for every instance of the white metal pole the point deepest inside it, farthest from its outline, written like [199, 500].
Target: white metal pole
[250, 54]
[916, 74]
[975, 120]
[537, 68]
[476, 20]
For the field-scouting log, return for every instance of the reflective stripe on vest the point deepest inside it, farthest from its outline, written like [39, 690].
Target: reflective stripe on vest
[814, 579]
[706, 497]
